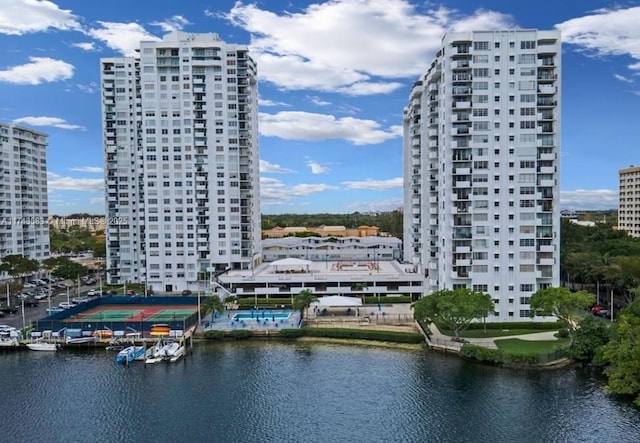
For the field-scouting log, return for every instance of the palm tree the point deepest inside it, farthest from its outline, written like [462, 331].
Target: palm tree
[303, 300]
[212, 304]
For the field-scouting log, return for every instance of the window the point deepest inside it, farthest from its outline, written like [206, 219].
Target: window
[481, 46]
[526, 58]
[526, 124]
[528, 44]
[481, 72]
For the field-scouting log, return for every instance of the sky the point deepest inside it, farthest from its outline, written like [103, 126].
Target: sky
[334, 77]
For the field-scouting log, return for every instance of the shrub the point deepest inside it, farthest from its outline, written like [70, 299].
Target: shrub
[514, 325]
[214, 335]
[563, 333]
[485, 355]
[359, 334]
[291, 333]
[239, 334]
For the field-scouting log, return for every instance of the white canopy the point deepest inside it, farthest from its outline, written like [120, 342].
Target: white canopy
[337, 301]
[290, 262]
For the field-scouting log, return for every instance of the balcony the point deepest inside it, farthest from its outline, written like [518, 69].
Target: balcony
[547, 170]
[547, 89]
[462, 105]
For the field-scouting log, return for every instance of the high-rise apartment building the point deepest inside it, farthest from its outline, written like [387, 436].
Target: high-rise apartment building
[181, 162]
[481, 164]
[629, 206]
[24, 214]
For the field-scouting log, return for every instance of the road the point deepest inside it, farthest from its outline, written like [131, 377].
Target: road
[38, 312]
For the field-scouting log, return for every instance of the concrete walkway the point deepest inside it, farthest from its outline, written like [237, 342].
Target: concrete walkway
[437, 338]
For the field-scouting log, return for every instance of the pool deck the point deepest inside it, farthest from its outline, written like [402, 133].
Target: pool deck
[226, 322]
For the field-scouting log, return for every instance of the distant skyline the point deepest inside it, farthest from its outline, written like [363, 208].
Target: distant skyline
[334, 78]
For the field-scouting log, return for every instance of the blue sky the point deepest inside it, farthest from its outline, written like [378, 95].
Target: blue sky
[334, 78]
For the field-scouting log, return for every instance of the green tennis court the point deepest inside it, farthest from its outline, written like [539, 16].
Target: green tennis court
[171, 315]
[112, 315]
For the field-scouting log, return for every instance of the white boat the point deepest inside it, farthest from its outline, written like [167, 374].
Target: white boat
[130, 354]
[164, 350]
[155, 353]
[78, 337]
[41, 345]
[80, 340]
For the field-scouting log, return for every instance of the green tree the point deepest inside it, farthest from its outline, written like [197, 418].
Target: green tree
[212, 304]
[568, 307]
[65, 268]
[623, 354]
[589, 338]
[303, 300]
[19, 266]
[455, 309]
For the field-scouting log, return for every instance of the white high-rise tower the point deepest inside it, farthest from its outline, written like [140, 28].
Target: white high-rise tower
[481, 167]
[24, 213]
[181, 162]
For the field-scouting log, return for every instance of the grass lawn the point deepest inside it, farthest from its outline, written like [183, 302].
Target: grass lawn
[479, 333]
[518, 346]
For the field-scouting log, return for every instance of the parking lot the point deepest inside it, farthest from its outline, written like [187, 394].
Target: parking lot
[31, 312]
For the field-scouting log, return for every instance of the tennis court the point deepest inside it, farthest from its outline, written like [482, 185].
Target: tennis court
[151, 314]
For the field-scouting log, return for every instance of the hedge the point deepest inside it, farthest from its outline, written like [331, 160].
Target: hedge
[546, 326]
[354, 334]
[215, 335]
[240, 333]
[496, 356]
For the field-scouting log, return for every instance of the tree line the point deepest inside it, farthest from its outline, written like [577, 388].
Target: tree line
[390, 221]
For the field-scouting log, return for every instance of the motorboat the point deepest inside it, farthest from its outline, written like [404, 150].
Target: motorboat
[78, 337]
[41, 345]
[155, 353]
[130, 354]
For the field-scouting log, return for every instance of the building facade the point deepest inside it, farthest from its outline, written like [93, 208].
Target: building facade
[629, 206]
[481, 167]
[181, 162]
[24, 222]
[367, 249]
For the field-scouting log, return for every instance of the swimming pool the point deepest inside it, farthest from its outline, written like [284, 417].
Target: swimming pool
[268, 315]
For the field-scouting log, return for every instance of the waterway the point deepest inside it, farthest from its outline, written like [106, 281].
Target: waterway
[304, 392]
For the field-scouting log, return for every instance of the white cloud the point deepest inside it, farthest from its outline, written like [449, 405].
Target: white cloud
[275, 192]
[175, 23]
[96, 169]
[38, 70]
[634, 66]
[97, 200]
[622, 78]
[589, 199]
[318, 101]
[57, 182]
[266, 167]
[343, 45]
[85, 46]
[89, 88]
[18, 17]
[122, 37]
[53, 122]
[266, 102]
[605, 32]
[375, 185]
[389, 204]
[317, 168]
[306, 126]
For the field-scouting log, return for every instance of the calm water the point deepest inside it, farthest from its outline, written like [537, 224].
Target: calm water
[263, 392]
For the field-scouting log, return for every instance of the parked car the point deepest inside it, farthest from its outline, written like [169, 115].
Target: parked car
[54, 309]
[79, 300]
[29, 285]
[8, 309]
[186, 292]
[31, 303]
[40, 296]
[596, 309]
[603, 313]
[67, 305]
[95, 293]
